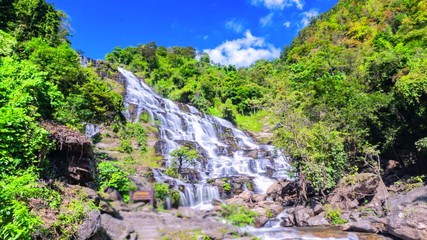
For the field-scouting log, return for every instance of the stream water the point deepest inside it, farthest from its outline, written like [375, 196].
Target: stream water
[225, 152]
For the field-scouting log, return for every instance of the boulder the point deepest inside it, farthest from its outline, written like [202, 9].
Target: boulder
[318, 208]
[115, 228]
[111, 195]
[187, 212]
[246, 196]
[318, 220]
[261, 218]
[91, 225]
[288, 218]
[276, 188]
[351, 190]
[369, 224]
[302, 214]
[258, 197]
[407, 218]
[73, 158]
[235, 200]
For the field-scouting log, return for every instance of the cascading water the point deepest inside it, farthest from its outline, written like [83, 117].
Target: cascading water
[226, 151]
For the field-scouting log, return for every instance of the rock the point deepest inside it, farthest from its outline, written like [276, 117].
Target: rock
[115, 228]
[318, 208]
[217, 202]
[187, 212]
[408, 215]
[288, 218]
[361, 226]
[92, 195]
[106, 208]
[111, 195]
[261, 218]
[246, 195]
[73, 158]
[258, 197]
[276, 188]
[137, 206]
[90, 226]
[302, 214]
[266, 204]
[235, 200]
[318, 220]
[352, 189]
[276, 209]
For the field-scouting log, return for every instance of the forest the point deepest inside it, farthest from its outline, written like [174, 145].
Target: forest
[349, 94]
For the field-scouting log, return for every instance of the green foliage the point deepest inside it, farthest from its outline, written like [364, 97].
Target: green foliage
[133, 131]
[7, 44]
[125, 146]
[238, 215]
[334, 215]
[175, 198]
[16, 219]
[161, 192]
[226, 186]
[172, 172]
[350, 88]
[33, 18]
[182, 156]
[110, 175]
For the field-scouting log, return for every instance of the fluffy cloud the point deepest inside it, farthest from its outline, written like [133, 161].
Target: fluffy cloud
[287, 24]
[307, 16]
[234, 25]
[243, 52]
[267, 20]
[279, 4]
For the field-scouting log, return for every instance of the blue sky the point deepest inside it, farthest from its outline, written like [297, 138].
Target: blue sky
[237, 32]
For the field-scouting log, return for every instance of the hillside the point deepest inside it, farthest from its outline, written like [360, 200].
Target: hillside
[346, 99]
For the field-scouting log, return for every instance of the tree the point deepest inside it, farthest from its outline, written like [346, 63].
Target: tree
[182, 156]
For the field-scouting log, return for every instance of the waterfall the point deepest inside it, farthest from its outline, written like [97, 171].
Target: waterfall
[226, 150]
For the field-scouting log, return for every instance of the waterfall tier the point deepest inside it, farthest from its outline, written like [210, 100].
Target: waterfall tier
[225, 150]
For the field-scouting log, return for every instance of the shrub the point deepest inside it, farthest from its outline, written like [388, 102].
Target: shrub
[16, 219]
[110, 175]
[334, 215]
[125, 146]
[238, 215]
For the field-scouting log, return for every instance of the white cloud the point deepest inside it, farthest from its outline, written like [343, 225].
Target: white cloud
[307, 16]
[205, 37]
[287, 24]
[243, 52]
[279, 4]
[267, 20]
[234, 25]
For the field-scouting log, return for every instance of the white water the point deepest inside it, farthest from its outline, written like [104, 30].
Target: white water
[227, 150]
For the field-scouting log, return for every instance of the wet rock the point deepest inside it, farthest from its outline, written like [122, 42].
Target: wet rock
[302, 214]
[318, 220]
[289, 218]
[408, 215]
[261, 218]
